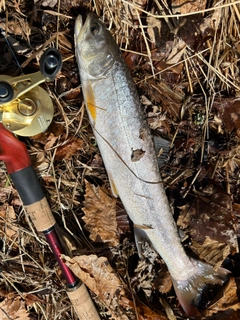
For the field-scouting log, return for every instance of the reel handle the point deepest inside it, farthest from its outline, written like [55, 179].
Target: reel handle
[11, 88]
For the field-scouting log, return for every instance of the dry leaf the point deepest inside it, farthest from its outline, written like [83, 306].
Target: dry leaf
[100, 215]
[49, 3]
[154, 30]
[31, 299]
[144, 271]
[144, 313]
[182, 6]
[140, 4]
[228, 112]
[211, 22]
[211, 251]
[226, 299]
[50, 141]
[67, 150]
[12, 307]
[99, 277]
[211, 215]
[168, 309]
[176, 49]
[9, 217]
[163, 282]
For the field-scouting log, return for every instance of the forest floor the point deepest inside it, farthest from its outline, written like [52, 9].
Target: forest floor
[184, 58]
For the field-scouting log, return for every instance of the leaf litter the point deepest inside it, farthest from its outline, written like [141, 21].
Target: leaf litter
[184, 58]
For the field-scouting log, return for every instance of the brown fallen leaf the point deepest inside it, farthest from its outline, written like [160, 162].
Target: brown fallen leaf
[182, 6]
[229, 314]
[100, 215]
[12, 307]
[134, 8]
[175, 50]
[68, 149]
[163, 282]
[226, 299]
[7, 227]
[228, 112]
[168, 309]
[154, 26]
[212, 251]
[99, 277]
[30, 299]
[54, 130]
[143, 312]
[51, 140]
[211, 215]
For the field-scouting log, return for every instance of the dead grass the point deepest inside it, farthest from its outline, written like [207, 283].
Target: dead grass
[185, 62]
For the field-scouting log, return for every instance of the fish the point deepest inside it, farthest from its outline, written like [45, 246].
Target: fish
[126, 146]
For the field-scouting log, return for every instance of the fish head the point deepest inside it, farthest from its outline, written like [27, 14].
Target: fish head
[96, 50]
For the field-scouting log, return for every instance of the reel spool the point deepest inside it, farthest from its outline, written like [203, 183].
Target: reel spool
[25, 108]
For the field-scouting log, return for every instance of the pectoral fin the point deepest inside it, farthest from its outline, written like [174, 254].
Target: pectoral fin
[90, 100]
[140, 237]
[112, 185]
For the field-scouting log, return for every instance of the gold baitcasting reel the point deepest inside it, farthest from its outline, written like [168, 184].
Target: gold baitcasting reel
[25, 108]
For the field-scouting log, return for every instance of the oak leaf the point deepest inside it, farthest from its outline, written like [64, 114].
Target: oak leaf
[69, 148]
[212, 251]
[100, 215]
[210, 216]
[13, 307]
[226, 299]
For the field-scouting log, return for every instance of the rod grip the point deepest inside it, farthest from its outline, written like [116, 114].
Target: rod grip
[82, 303]
[40, 214]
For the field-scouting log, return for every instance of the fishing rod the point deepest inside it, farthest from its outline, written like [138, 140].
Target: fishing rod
[26, 109]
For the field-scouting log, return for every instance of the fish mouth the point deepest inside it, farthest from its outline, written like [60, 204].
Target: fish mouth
[78, 26]
[81, 26]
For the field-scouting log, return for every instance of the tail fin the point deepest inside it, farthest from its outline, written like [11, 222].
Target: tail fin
[189, 291]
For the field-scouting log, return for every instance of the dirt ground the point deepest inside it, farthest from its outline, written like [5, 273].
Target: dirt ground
[184, 58]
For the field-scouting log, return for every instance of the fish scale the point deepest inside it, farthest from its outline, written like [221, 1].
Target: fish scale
[121, 132]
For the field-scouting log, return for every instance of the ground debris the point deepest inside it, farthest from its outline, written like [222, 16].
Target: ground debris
[210, 218]
[100, 215]
[225, 302]
[13, 307]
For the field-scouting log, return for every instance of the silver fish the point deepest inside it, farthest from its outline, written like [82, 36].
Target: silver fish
[126, 146]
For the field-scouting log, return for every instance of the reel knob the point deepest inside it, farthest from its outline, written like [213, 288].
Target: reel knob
[50, 64]
[6, 92]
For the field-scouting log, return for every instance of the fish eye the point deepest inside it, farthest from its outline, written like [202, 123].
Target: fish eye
[94, 28]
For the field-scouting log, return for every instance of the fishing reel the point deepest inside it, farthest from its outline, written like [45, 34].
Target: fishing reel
[25, 108]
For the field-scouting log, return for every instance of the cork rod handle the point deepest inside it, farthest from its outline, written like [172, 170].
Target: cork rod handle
[82, 303]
